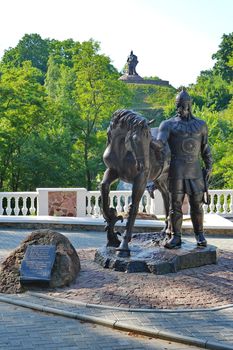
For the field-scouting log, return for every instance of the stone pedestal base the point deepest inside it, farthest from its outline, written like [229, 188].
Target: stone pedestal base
[149, 255]
[136, 79]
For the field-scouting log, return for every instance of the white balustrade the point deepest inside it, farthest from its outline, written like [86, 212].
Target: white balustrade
[93, 207]
[221, 202]
[18, 203]
[119, 200]
[27, 203]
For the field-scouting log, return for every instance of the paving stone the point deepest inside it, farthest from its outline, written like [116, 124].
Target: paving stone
[198, 287]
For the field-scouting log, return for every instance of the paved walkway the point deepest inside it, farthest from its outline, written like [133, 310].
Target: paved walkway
[23, 328]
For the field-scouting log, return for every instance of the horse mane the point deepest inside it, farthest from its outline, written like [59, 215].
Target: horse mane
[127, 119]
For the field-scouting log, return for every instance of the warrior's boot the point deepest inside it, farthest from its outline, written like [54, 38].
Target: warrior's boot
[200, 238]
[174, 242]
[196, 214]
[175, 220]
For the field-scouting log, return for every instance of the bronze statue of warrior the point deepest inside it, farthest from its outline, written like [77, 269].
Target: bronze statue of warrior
[132, 61]
[187, 137]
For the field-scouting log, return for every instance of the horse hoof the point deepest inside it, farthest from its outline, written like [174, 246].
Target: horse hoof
[123, 253]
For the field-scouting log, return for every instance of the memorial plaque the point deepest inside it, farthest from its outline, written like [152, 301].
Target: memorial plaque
[37, 264]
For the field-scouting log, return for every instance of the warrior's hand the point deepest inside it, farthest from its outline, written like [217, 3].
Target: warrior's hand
[208, 174]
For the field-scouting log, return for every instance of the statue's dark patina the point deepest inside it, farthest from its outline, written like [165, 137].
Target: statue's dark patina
[132, 61]
[131, 156]
[187, 137]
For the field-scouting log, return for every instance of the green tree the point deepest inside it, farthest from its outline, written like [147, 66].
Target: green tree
[22, 112]
[220, 139]
[63, 51]
[83, 94]
[222, 57]
[210, 91]
[30, 48]
[98, 93]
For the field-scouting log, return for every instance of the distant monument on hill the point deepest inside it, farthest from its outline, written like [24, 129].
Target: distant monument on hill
[131, 76]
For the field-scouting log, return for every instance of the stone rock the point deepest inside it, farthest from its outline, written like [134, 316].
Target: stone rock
[149, 255]
[65, 269]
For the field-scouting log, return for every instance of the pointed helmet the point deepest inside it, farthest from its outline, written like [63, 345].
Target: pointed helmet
[183, 98]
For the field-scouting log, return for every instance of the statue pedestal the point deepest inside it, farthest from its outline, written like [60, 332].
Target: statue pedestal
[131, 78]
[136, 79]
[149, 255]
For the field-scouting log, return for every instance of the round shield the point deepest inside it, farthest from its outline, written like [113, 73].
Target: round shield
[189, 145]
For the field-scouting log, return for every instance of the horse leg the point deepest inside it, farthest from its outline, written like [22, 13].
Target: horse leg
[162, 186]
[109, 214]
[139, 186]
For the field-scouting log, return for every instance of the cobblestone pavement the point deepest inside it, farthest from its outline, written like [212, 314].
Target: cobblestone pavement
[24, 329]
[206, 286]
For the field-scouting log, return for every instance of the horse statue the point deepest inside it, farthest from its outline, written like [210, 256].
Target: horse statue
[131, 156]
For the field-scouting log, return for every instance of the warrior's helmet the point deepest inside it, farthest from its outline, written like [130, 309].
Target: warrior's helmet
[183, 99]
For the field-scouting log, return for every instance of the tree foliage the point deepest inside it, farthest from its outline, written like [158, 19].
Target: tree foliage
[223, 57]
[30, 48]
[56, 101]
[57, 98]
[211, 91]
[213, 101]
[23, 103]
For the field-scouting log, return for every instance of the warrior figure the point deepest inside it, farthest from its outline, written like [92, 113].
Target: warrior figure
[132, 61]
[187, 137]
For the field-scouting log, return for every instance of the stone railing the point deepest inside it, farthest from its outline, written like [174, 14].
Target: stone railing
[79, 202]
[18, 203]
[120, 200]
[221, 202]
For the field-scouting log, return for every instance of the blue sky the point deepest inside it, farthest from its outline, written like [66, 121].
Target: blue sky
[173, 39]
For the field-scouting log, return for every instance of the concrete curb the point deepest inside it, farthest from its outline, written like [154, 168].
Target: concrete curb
[122, 326]
[97, 306]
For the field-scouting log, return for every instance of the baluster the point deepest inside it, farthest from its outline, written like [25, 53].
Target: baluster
[96, 207]
[32, 209]
[92, 205]
[212, 206]
[231, 203]
[89, 207]
[225, 206]
[118, 206]
[218, 205]
[8, 206]
[16, 209]
[24, 207]
[1, 207]
[126, 206]
[111, 197]
[120, 203]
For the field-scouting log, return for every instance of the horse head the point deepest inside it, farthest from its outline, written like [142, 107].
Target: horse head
[138, 142]
[129, 131]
